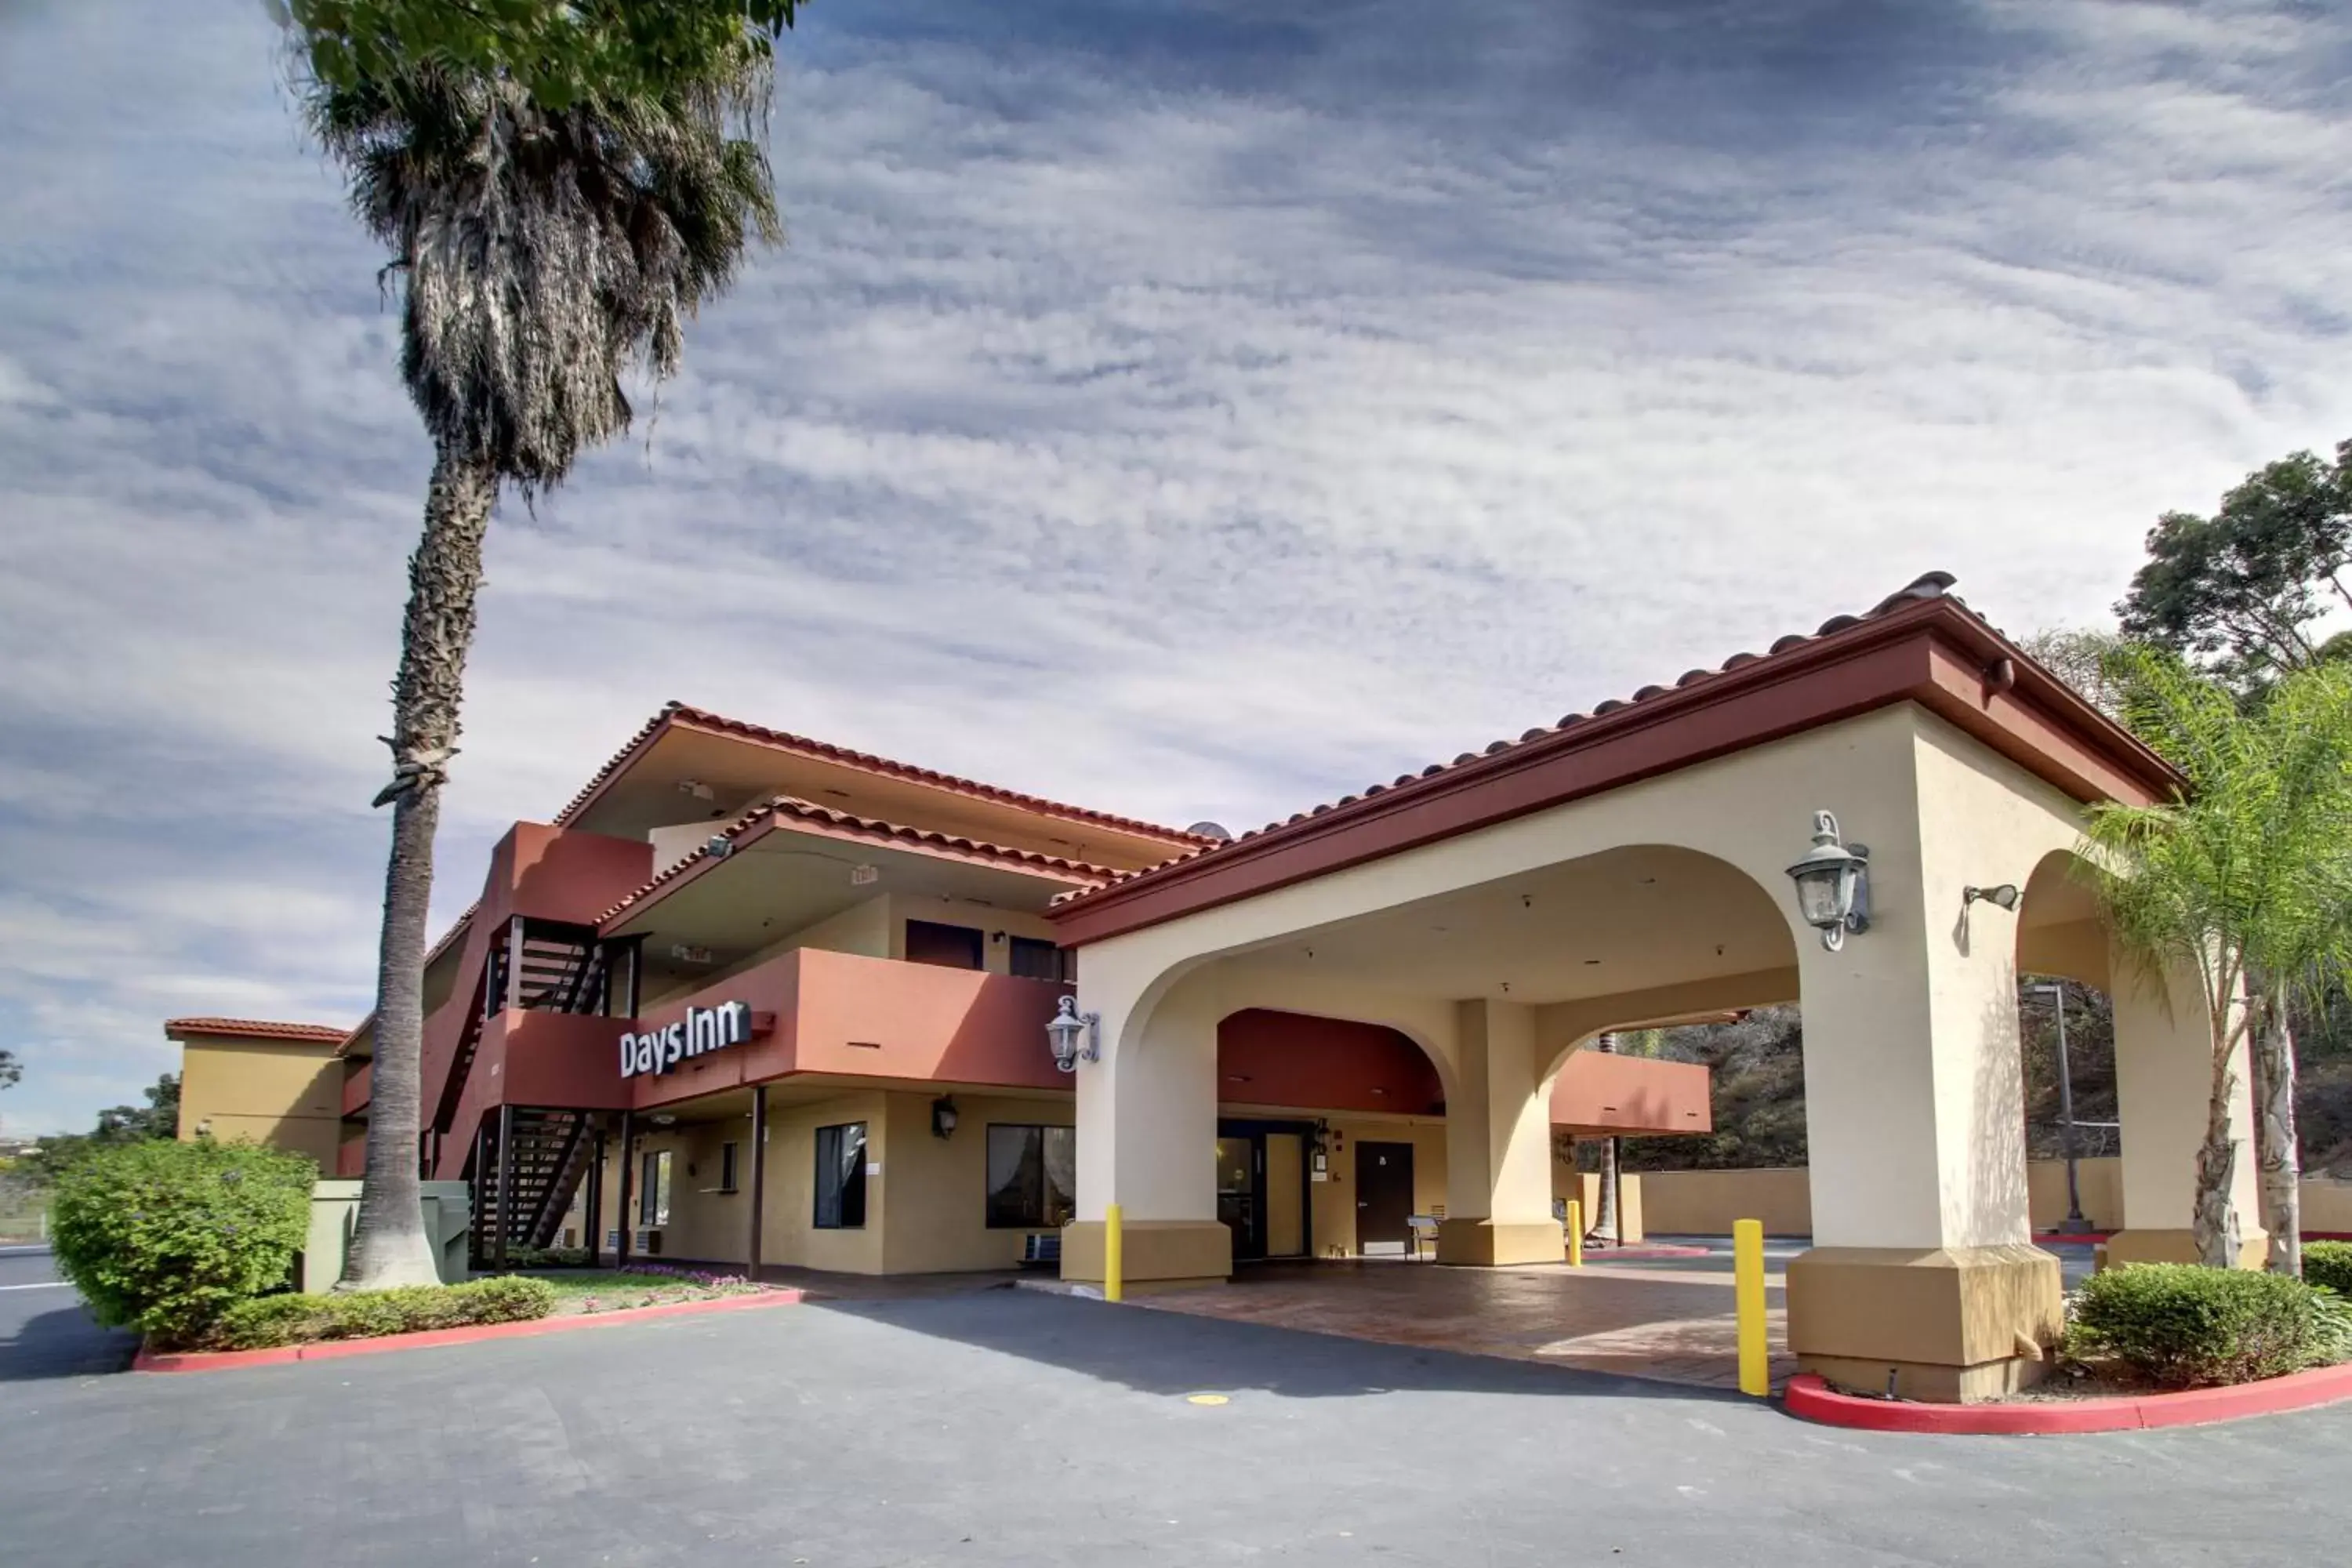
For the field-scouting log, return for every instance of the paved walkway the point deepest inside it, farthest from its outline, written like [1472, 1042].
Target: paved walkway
[1665, 1321]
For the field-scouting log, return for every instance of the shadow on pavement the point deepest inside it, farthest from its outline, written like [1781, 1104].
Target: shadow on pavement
[63, 1343]
[1170, 1353]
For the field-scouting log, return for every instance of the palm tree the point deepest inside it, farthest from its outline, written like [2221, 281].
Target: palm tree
[2246, 880]
[540, 253]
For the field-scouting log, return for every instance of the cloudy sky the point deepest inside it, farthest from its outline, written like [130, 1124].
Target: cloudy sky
[1189, 410]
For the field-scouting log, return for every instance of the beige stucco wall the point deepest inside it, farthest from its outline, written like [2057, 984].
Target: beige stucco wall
[936, 1219]
[1911, 1050]
[1333, 1201]
[1705, 1203]
[287, 1094]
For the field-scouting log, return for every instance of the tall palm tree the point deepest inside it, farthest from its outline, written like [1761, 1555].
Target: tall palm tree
[2246, 883]
[540, 253]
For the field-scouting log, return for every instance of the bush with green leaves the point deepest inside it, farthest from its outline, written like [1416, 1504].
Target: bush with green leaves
[165, 1237]
[523, 1260]
[271, 1321]
[2185, 1326]
[2329, 1264]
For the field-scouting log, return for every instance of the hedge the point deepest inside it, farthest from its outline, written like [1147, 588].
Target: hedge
[2329, 1264]
[2185, 1326]
[165, 1237]
[273, 1320]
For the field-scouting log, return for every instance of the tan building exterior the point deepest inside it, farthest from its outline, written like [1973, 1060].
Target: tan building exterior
[245, 1078]
[1630, 867]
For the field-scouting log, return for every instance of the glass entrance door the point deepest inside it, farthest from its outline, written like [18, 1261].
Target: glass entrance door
[1238, 1161]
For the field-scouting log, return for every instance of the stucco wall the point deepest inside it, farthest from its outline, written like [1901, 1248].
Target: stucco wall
[936, 1218]
[1334, 1202]
[1705, 1203]
[287, 1094]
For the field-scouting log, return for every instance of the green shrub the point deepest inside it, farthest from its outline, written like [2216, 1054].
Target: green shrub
[2185, 1326]
[2329, 1264]
[165, 1237]
[274, 1321]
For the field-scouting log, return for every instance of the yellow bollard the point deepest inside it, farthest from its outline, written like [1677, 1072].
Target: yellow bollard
[1575, 1232]
[1747, 1277]
[1114, 1285]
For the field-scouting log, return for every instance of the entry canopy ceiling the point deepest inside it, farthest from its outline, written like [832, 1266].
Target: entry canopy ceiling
[785, 880]
[1629, 920]
[649, 790]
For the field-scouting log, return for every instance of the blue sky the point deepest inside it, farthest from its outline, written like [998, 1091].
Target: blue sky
[1187, 410]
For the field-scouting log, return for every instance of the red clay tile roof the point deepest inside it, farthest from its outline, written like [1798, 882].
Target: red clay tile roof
[1932, 586]
[785, 807]
[256, 1029]
[678, 713]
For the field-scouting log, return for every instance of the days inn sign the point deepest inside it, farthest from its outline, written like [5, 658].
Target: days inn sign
[702, 1030]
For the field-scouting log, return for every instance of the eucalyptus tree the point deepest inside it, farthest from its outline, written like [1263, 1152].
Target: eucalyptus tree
[544, 244]
[2244, 881]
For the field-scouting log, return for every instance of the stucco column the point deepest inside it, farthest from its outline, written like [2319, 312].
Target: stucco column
[1923, 1278]
[1147, 1141]
[2164, 1066]
[1498, 1144]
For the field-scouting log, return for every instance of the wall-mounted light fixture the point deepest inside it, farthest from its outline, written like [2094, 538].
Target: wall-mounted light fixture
[943, 1116]
[2005, 897]
[1063, 1029]
[1833, 883]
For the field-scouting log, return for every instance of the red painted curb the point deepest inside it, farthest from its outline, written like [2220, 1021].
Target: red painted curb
[1813, 1400]
[329, 1350]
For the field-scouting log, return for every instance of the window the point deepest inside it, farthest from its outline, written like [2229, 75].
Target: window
[1034, 959]
[949, 947]
[652, 1189]
[1033, 1177]
[727, 1167]
[841, 1177]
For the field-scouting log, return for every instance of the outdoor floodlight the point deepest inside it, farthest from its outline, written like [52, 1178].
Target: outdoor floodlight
[2004, 897]
[943, 1116]
[1063, 1031]
[1833, 883]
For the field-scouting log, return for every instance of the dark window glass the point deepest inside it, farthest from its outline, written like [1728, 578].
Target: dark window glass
[841, 1177]
[727, 1167]
[1033, 1177]
[1034, 959]
[653, 1190]
[949, 947]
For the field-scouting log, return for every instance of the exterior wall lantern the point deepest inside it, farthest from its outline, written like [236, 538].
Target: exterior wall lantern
[1833, 883]
[943, 1116]
[1066, 1025]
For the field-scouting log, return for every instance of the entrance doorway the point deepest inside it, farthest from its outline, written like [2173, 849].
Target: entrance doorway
[1262, 1188]
[1383, 1199]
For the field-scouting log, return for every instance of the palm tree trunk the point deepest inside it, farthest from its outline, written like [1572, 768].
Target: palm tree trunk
[1605, 1210]
[2217, 1159]
[2282, 1160]
[388, 1243]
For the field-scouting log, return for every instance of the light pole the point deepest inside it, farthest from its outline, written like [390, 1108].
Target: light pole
[2073, 1223]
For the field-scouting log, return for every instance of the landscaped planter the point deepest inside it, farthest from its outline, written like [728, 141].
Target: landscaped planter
[1810, 1397]
[327, 1350]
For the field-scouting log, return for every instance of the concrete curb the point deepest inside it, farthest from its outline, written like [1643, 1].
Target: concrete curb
[1813, 1400]
[330, 1350]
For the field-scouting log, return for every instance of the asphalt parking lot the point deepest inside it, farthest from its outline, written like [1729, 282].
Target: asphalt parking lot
[1006, 1427]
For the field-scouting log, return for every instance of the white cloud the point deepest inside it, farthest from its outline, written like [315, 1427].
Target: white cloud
[1189, 414]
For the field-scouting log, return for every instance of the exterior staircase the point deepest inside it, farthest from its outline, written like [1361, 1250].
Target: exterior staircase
[552, 1151]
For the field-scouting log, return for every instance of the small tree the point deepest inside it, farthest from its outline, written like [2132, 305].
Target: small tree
[2247, 881]
[10, 1069]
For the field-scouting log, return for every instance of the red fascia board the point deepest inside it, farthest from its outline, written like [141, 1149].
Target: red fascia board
[255, 1029]
[1903, 655]
[679, 717]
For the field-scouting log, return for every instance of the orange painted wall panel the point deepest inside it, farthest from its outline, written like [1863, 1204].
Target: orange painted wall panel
[1602, 1093]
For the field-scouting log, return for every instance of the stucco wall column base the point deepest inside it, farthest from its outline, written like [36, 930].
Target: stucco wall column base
[1487, 1244]
[1155, 1254]
[1952, 1324]
[2143, 1244]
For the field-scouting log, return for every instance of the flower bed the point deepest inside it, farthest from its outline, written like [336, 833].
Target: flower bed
[583, 1290]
